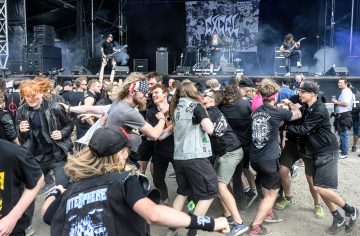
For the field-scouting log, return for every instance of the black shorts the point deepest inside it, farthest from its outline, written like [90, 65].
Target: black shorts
[290, 154]
[146, 150]
[196, 178]
[268, 172]
[326, 170]
[246, 158]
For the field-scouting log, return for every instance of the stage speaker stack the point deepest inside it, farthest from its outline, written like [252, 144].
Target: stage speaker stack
[41, 58]
[44, 34]
[140, 65]
[162, 61]
[337, 71]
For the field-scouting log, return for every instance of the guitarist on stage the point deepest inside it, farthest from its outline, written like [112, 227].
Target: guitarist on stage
[107, 48]
[290, 49]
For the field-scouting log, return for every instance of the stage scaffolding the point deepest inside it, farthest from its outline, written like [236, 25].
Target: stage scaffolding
[4, 39]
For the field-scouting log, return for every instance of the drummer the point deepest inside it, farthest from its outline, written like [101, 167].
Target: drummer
[215, 45]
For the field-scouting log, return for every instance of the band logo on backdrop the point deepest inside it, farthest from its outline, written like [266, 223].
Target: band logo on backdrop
[235, 21]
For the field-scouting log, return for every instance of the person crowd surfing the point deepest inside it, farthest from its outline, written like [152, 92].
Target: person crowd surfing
[225, 138]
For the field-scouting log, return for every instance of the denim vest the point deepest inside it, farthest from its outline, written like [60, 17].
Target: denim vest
[190, 140]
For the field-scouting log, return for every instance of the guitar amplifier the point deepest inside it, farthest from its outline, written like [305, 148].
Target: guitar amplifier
[279, 66]
[140, 65]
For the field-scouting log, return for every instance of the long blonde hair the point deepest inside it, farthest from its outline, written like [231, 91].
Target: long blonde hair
[86, 164]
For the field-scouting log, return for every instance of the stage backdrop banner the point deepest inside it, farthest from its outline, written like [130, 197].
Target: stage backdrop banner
[235, 21]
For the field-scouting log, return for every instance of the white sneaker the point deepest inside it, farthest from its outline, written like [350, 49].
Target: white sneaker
[287, 74]
[343, 156]
[298, 64]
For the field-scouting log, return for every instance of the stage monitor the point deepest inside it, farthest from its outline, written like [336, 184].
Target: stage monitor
[337, 71]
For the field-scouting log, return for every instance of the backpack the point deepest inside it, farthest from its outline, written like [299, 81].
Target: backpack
[356, 100]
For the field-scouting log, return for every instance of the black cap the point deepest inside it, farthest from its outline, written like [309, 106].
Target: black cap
[110, 35]
[309, 86]
[286, 81]
[246, 83]
[107, 141]
[67, 83]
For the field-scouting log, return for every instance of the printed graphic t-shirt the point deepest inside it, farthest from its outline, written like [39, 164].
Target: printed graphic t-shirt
[18, 169]
[265, 129]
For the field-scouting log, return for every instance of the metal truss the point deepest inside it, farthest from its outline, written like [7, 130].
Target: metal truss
[4, 40]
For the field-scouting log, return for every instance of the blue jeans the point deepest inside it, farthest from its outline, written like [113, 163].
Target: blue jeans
[344, 141]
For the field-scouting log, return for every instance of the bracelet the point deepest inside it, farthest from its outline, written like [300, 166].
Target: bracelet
[55, 193]
[202, 222]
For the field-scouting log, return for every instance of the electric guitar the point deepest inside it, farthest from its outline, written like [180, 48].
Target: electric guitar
[288, 52]
[112, 55]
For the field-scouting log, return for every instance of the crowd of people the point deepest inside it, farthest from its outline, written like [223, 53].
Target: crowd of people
[239, 143]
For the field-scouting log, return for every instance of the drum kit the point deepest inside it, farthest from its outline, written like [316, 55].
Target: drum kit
[227, 59]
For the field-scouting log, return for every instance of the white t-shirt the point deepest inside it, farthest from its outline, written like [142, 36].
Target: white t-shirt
[345, 96]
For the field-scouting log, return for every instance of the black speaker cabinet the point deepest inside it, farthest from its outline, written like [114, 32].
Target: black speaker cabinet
[140, 65]
[162, 62]
[296, 70]
[337, 71]
[183, 70]
[279, 66]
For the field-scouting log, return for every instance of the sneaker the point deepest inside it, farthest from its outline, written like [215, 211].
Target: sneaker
[284, 203]
[319, 211]
[335, 227]
[251, 197]
[298, 64]
[343, 156]
[273, 218]
[287, 74]
[29, 231]
[238, 229]
[171, 233]
[353, 149]
[352, 218]
[259, 231]
[294, 172]
[172, 175]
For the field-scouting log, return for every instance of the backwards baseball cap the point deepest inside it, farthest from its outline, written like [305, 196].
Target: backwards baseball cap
[246, 83]
[107, 141]
[139, 86]
[309, 86]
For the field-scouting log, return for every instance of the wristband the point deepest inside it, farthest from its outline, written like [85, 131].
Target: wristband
[55, 192]
[202, 222]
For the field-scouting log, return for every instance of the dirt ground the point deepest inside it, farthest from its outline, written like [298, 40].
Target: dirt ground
[298, 220]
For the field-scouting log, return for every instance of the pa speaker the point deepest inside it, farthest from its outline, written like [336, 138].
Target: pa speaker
[140, 65]
[337, 71]
[162, 62]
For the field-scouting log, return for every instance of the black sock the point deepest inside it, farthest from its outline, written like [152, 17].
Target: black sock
[337, 216]
[172, 229]
[348, 209]
[192, 232]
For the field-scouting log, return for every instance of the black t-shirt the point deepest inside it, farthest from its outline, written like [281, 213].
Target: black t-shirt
[12, 103]
[223, 138]
[74, 98]
[18, 168]
[163, 148]
[265, 129]
[199, 114]
[108, 47]
[238, 115]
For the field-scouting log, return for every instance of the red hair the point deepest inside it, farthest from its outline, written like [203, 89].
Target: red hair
[30, 88]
